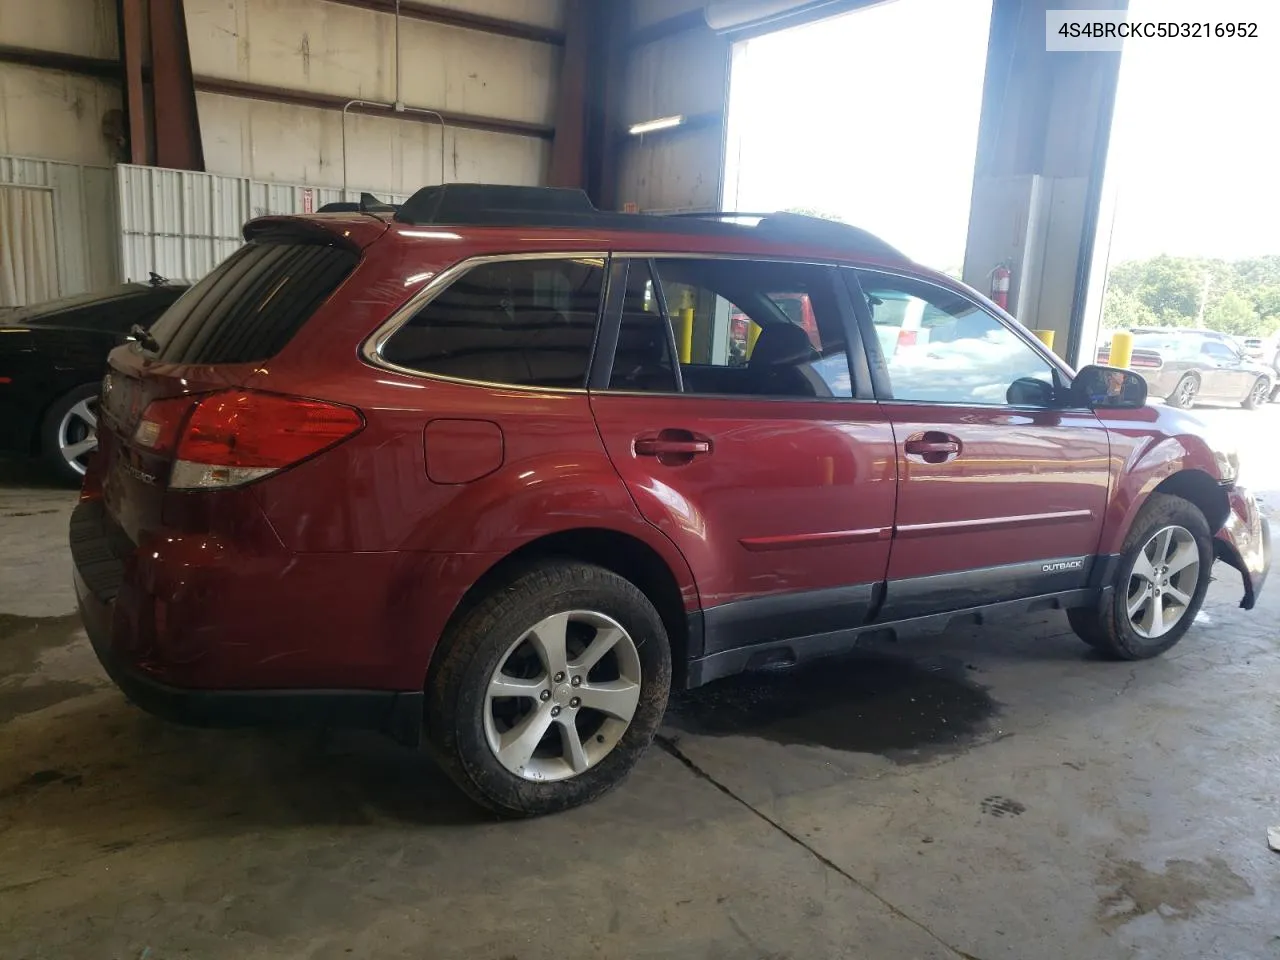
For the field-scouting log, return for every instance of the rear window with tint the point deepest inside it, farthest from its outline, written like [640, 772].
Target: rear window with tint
[521, 322]
[252, 304]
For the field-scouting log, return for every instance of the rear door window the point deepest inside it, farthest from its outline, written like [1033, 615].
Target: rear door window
[528, 323]
[248, 308]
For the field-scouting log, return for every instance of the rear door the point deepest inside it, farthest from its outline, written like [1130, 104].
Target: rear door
[1000, 496]
[772, 472]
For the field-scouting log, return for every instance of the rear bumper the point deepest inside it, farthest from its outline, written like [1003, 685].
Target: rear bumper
[123, 639]
[1244, 542]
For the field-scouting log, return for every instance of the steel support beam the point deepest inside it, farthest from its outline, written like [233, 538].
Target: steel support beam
[453, 17]
[132, 44]
[177, 125]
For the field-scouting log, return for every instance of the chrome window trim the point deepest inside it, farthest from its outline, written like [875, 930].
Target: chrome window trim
[371, 349]
[1037, 347]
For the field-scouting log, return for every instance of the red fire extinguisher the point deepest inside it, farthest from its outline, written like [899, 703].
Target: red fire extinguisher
[1000, 285]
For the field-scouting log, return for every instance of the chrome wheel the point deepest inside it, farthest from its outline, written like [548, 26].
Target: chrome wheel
[562, 696]
[1163, 581]
[78, 434]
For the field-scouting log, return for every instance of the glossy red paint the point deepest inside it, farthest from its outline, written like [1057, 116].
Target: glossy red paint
[1023, 486]
[343, 571]
[462, 451]
[791, 471]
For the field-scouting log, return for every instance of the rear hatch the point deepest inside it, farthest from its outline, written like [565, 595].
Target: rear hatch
[187, 374]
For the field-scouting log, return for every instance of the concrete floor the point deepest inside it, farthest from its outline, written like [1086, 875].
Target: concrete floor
[1001, 794]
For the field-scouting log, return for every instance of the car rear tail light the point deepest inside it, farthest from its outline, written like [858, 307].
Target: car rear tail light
[1148, 360]
[906, 338]
[237, 436]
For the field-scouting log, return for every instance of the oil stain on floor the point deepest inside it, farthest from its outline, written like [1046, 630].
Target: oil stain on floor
[1178, 892]
[23, 640]
[903, 709]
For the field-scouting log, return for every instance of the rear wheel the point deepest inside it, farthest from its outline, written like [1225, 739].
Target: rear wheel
[1259, 394]
[546, 693]
[69, 433]
[1160, 583]
[1184, 394]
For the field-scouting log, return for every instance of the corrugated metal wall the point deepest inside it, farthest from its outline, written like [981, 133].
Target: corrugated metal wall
[84, 213]
[181, 224]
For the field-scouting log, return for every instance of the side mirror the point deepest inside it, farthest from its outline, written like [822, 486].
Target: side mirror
[1029, 392]
[1108, 387]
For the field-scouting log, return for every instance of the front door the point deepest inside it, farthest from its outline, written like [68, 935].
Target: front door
[1223, 376]
[767, 463]
[1001, 496]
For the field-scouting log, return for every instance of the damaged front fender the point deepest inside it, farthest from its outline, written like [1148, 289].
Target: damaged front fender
[1244, 542]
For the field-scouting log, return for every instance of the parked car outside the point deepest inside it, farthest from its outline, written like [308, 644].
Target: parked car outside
[1188, 366]
[440, 471]
[1254, 348]
[53, 356]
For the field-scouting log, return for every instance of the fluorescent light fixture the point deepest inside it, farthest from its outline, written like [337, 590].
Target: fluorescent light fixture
[649, 126]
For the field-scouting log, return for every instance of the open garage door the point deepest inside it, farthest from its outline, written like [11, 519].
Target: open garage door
[870, 117]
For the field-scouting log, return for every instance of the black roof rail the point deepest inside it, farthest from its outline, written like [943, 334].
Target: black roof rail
[476, 204]
[368, 204]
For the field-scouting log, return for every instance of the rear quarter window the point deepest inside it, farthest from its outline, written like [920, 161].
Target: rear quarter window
[525, 323]
[252, 304]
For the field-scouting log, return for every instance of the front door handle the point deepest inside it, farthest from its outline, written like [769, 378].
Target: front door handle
[655, 448]
[932, 447]
[671, 447]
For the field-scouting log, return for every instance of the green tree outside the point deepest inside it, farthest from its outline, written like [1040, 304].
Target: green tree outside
[1240, 297]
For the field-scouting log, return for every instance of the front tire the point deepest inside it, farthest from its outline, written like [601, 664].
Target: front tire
[1258, 396]
[1160, 583]
[69, 433]
[547, 691]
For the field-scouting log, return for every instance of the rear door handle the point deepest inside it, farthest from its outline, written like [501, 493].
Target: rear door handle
[932, 447]
[655, 447]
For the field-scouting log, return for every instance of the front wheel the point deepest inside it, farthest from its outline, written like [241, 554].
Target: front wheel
[546, 692]
[1159, 586]
[1259, 393]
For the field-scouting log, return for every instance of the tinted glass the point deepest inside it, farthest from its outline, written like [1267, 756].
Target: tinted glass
[745, 327]
[523, 322]
[643, 357]
[939, 347]
[252, 304]
[1219, 351]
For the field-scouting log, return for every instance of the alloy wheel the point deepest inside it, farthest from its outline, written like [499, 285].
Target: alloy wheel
[1261, 390]
[78, 434]
[562, 696]
[1163, 581]
[1186, 392]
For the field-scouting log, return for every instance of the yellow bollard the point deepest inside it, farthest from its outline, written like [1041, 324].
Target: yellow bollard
[753, 334]
[1045, 337]
[685, 341]
[1121, 349]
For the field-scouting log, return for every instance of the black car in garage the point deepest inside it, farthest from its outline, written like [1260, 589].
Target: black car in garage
[52, 359]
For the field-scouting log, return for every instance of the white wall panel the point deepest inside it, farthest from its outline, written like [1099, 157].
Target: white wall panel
[280, 142]
[85, 219]
[542, 13]
[45, 113]
[675, 172]
[84, 27]
[685, 74]
[347, 51]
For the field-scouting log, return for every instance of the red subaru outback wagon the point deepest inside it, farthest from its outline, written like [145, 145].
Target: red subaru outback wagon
[484, 471]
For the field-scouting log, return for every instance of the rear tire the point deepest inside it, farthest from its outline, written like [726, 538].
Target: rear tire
[1184, 394]
[496, 674]
[68, 433]
[1258, 396]
[1159, 587]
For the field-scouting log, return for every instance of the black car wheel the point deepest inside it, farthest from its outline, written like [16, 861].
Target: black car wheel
[1259, 393]
[1159, 586]
[1184, 394]
[69, 433]
[547, 691]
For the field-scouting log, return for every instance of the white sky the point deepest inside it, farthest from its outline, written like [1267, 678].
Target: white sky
[874, 116]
